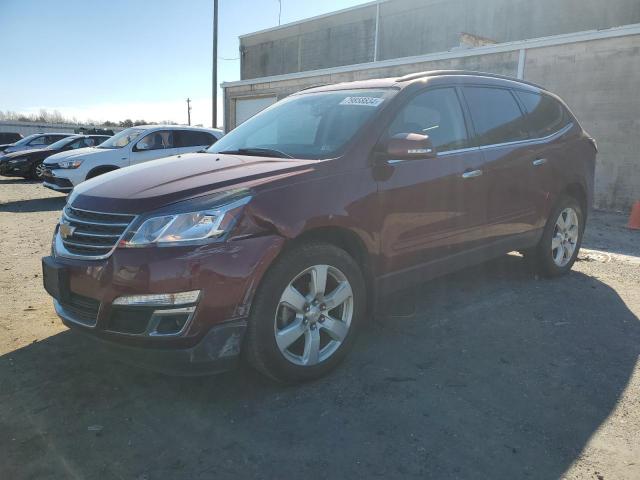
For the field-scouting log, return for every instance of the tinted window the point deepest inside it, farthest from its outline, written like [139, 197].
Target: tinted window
[436, 113]
[496, 115]
[156, 141]
[544, 114]
[188, 138]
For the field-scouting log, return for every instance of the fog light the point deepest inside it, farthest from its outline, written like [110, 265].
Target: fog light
[159, 299]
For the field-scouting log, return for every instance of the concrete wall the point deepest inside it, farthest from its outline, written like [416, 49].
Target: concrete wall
[599, 79]
[416, 27]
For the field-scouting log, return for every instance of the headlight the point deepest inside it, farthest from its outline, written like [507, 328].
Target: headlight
[184, 228]
[70, 164]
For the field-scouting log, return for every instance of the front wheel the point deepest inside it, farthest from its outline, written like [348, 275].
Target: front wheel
[37, 171]
[558, 249]
[306, 313]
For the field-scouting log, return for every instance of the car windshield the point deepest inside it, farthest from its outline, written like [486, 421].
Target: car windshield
[123, 138]
[308, 126]
[60, 143]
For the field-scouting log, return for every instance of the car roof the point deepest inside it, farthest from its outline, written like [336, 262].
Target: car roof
[181, 127]
[462, 76]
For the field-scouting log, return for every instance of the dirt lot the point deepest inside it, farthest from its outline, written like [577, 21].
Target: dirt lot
[493, 374]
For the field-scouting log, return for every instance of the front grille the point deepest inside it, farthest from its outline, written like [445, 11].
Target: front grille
[92, 234]
[81, 309]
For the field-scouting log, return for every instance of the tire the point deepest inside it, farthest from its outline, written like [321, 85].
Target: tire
[310, 322]
[554, 262]
[36, 172]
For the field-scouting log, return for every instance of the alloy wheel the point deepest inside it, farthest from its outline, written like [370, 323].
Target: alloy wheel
[565, 237]
[314, 315]
[40, 169]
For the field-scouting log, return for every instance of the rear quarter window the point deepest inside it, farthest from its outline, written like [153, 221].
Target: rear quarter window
[545, 115]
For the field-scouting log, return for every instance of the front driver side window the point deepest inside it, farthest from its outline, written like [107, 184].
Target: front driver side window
[436, 113]
[156, 141]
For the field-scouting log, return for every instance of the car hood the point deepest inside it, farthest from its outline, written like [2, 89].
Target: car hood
[152, 185]
[26, 153]
[80, 152]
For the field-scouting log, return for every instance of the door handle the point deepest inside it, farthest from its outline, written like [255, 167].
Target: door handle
[472, 174]
[539, 161]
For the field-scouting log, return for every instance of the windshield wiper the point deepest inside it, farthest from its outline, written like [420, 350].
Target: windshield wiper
[258, 152]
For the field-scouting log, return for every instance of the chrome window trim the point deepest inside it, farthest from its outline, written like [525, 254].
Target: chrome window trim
[532, 141]
[560, 132]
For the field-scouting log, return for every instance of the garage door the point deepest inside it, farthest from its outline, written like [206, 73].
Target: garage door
[248, 107]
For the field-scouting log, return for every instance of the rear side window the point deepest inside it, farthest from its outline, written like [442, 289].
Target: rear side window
[545, 115]
[188, 138]
[496, 115]
[436, 113]
[41, 140]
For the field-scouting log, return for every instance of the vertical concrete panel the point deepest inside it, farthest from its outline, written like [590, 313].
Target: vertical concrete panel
[600, 80]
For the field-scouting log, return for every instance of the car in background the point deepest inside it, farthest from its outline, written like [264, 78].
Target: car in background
[66, 170]
[36, 140]
[29, 163]
[7, 138]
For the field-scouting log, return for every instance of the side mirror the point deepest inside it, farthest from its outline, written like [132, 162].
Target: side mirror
[409, 146]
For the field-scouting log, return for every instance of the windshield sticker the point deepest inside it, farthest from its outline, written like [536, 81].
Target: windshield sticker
[364, 101]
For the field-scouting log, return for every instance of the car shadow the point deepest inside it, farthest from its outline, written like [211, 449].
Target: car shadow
[46, 204]
[491, 373]
[16, 180]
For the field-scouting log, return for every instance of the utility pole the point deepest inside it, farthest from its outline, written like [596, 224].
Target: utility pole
[279, 12]
[188, 111]
[214, 76]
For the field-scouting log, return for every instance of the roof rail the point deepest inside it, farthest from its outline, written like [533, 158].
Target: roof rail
[315, 85]
[434, 73]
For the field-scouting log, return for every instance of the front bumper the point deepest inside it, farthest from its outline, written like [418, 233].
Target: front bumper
[59, 184]
[225, 273]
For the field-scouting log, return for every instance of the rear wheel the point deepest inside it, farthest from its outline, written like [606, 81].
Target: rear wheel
[558, 249]
[306, 313]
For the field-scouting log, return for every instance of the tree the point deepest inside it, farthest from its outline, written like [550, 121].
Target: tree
[126, 123]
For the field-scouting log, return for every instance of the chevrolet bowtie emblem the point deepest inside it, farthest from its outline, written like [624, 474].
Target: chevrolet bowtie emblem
[66, 230]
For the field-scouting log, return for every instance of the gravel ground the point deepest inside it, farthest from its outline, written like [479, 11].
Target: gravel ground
[489, 373]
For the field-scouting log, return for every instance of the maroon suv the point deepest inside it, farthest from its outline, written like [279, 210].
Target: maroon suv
[274, 242]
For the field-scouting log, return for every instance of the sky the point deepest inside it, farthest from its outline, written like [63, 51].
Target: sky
[138, 59]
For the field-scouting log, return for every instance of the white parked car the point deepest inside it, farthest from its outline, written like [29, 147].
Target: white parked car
[66, 170]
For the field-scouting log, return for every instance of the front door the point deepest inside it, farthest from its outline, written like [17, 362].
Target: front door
[431, 208]
[157, 144]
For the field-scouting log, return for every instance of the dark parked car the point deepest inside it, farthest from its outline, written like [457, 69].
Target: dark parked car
[29, 163]
[277, 241]
[36, 140]
[7, 138]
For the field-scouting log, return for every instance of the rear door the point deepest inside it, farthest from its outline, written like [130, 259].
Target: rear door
[503, 138]
[154, 145]
[547, 121]
[434, 207]
[189, 141]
